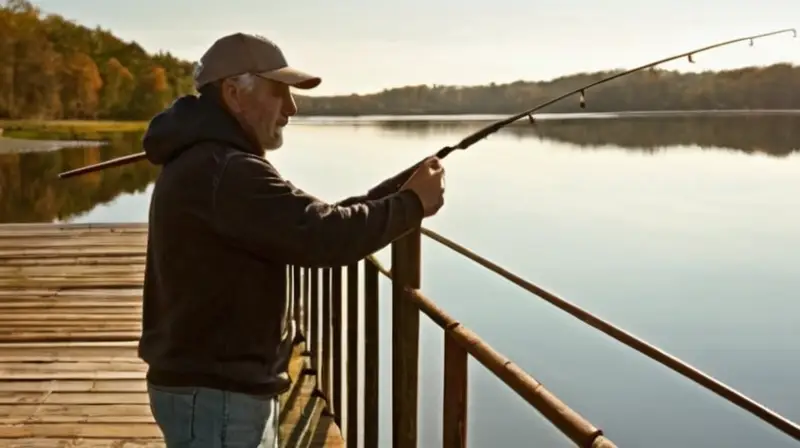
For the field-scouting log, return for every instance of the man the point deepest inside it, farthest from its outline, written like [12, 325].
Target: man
[223, 226]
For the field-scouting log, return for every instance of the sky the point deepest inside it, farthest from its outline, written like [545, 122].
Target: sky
[364, 46]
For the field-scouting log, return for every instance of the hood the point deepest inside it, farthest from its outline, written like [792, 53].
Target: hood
[188, 121]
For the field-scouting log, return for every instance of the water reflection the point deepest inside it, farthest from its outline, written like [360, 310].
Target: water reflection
[27, 145]
[30, 190]
[773, 135]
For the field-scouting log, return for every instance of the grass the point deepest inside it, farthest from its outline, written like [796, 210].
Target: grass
[77, 125]
[68, 129]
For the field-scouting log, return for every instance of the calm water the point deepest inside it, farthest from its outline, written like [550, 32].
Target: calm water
[683, 231]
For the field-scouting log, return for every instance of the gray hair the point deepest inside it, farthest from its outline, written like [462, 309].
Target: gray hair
[244, 81]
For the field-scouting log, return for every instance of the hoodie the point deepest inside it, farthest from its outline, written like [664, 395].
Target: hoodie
[223, 227]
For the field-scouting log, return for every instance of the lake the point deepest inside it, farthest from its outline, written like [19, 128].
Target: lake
[682, 230]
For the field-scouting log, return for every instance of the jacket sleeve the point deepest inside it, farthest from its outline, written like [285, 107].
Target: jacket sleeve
[256, 209]
[385, 188]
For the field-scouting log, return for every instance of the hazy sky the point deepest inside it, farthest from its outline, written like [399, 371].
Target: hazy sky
[366, 45]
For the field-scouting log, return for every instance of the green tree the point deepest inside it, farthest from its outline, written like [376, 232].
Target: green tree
[117, 90]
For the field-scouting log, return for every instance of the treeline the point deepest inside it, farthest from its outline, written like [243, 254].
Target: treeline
[772, 87]
[52, 68]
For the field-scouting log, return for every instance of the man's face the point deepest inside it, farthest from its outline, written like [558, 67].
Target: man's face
[264, 110]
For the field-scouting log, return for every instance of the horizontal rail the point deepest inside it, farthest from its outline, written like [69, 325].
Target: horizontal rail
[572, 424]
[776, 420]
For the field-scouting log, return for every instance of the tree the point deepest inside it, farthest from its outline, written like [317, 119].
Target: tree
[80, 86]
[117, 90]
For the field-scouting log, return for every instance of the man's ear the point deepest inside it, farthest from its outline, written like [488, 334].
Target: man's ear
[229, 93]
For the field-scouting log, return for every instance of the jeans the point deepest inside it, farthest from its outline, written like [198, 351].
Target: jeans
[197, 417]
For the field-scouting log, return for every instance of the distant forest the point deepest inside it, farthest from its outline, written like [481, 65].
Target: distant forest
[53, 68]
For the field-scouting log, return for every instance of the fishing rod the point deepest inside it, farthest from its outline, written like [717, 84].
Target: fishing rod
[494, 127]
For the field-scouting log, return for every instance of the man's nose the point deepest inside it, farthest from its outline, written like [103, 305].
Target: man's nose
[289, 105]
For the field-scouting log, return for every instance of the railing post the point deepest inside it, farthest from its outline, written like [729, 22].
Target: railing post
[307, 310]
[299, 312]
[289, 292]
[371, 361]
[351, 430]
[405, 340]
[325, 362]
[316, 345]
[336, 352]
[455, 394]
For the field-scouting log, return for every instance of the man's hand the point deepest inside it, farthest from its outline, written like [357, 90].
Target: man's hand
[428, 183]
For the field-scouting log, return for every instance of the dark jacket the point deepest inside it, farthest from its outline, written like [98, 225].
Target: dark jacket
[223, 226]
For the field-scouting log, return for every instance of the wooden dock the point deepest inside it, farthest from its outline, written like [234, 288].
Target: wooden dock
[70, 310]
[70, 304]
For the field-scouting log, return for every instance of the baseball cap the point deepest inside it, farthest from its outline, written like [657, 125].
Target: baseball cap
[240, 53]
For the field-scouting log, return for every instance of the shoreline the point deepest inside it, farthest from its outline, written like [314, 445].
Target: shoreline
[14, 128]
[12, 145]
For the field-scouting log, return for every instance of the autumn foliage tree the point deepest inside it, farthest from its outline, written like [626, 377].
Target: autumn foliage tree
[152, 92]
[52, 68]
[80, 86]
[118, 88]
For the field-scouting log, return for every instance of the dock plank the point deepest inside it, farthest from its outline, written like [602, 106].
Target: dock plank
[35, 442]
[70, 319]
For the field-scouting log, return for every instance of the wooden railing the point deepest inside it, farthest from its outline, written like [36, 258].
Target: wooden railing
[326, 317]
[321, 292]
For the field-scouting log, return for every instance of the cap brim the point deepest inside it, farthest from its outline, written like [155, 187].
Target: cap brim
[293, 77]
